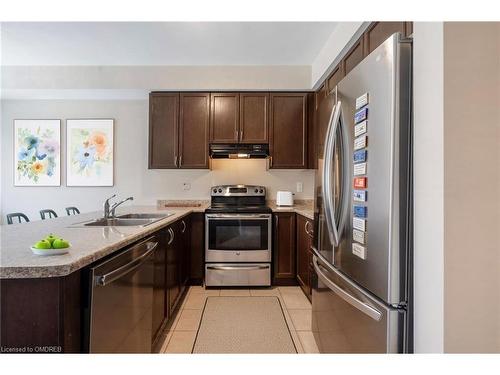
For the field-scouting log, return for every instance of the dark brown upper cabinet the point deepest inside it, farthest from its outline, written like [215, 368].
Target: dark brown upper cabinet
[378, 32]
[239, 117]
[335, 77]
[194, 119]
[288, 130]
[312, 150]
[254, 117]
[178, 130]
[354, 56]
[225, 117]
[163, 130]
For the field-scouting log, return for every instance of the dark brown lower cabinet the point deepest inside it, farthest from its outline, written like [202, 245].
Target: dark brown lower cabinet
[304, 243]
[197, 248]
[284, 249]
[41, 315]
[173, 267]
[160, 312]
[185, 250]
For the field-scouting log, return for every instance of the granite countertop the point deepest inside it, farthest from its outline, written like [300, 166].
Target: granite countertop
[88, 244]
[301, 207]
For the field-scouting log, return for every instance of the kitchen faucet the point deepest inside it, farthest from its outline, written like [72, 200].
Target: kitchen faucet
[109, 212]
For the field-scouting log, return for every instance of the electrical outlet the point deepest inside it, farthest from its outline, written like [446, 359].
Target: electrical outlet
[186, 186]
[300, 187]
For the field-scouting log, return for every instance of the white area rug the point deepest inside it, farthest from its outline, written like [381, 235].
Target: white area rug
[243, 325]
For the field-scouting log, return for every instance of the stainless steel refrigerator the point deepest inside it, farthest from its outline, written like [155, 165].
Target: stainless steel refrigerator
[362, 246]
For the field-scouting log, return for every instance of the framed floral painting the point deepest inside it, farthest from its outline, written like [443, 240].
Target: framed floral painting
[37, 152]
[89, 152]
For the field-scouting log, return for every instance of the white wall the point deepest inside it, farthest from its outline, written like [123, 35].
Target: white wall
[342, 38]
[147, 78]
[428, 186]
[471, 174]
[132, 176]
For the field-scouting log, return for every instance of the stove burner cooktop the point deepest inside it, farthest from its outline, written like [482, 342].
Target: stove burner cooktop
[238, 199]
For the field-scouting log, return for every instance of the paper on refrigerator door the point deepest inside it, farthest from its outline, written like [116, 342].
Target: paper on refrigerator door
[361, 101]
[358, 236]
[359, 224]
[359, 169]
[360, 128]
[360, 142]
[359, 250]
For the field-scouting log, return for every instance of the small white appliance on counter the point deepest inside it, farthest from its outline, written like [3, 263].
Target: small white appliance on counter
[284, 198]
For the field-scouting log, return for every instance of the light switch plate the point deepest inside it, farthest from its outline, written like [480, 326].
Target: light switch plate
[186, 186]
[300, 187]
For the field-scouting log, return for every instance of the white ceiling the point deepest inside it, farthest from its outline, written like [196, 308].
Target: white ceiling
[164, 43]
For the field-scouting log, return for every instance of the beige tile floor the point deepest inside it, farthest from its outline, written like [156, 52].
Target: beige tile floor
[179, 337]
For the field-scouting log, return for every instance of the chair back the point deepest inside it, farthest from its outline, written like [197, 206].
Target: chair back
[72, 211]
[19, 216]
[47, 213]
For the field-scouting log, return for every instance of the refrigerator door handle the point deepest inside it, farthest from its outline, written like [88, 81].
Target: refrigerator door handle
[353, 301]
[346, 162]
[327, 184]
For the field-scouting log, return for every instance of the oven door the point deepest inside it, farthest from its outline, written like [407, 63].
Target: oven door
[238, 237]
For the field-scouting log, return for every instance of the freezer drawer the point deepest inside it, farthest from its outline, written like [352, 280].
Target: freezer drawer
[237, 274]
[346, 319]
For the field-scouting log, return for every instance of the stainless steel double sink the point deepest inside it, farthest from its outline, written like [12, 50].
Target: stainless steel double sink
[127, 220]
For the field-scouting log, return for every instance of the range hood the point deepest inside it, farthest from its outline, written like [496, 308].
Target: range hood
[239, 151]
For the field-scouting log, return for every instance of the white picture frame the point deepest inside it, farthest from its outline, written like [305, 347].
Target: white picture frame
[89, 152]
[37, 152]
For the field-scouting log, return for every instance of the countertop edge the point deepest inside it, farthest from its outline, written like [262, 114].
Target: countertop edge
[39, 272]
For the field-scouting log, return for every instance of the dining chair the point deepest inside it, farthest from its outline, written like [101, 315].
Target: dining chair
[47, 213]
[72, 211]
[17, 215]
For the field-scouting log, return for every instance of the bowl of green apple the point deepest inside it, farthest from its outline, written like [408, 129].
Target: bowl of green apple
[51, 245]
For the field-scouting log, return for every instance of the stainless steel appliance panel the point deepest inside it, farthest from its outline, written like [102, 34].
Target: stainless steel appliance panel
[122, 301]
[238, 274]
[238, 237]
[347, 319]
[385, 76]
[323, 240]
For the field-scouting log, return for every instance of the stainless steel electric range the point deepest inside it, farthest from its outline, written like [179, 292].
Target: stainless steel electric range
[238, 237]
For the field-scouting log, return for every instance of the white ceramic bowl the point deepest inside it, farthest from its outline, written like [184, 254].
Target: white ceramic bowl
[46, 252]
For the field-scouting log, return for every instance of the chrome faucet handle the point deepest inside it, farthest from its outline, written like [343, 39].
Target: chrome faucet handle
[106, 206]
[113, 207]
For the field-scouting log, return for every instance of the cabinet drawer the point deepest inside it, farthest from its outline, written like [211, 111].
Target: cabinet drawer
[238, 274]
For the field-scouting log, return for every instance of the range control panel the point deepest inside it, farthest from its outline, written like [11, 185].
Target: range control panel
[237, 191]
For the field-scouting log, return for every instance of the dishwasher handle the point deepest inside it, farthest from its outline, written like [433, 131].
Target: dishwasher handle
[109, 277]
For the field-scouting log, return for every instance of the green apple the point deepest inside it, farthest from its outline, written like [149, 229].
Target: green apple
[43, 244]
[59, 243]
[51, 238]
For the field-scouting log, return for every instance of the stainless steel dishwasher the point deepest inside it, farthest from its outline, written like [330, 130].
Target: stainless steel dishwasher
[121, 301]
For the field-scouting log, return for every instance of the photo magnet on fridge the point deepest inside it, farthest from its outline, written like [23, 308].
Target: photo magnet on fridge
[360, 156]
[361, 115]
[360, 211]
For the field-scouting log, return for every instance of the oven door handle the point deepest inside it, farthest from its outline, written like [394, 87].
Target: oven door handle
[238, 216]
[234, 268]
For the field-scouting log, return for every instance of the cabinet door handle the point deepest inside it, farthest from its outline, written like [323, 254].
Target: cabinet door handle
[180, 161]
[236, 135]
[175, 160]
[309, 233]
[171, 232]
[183, 226]
[241, 135]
